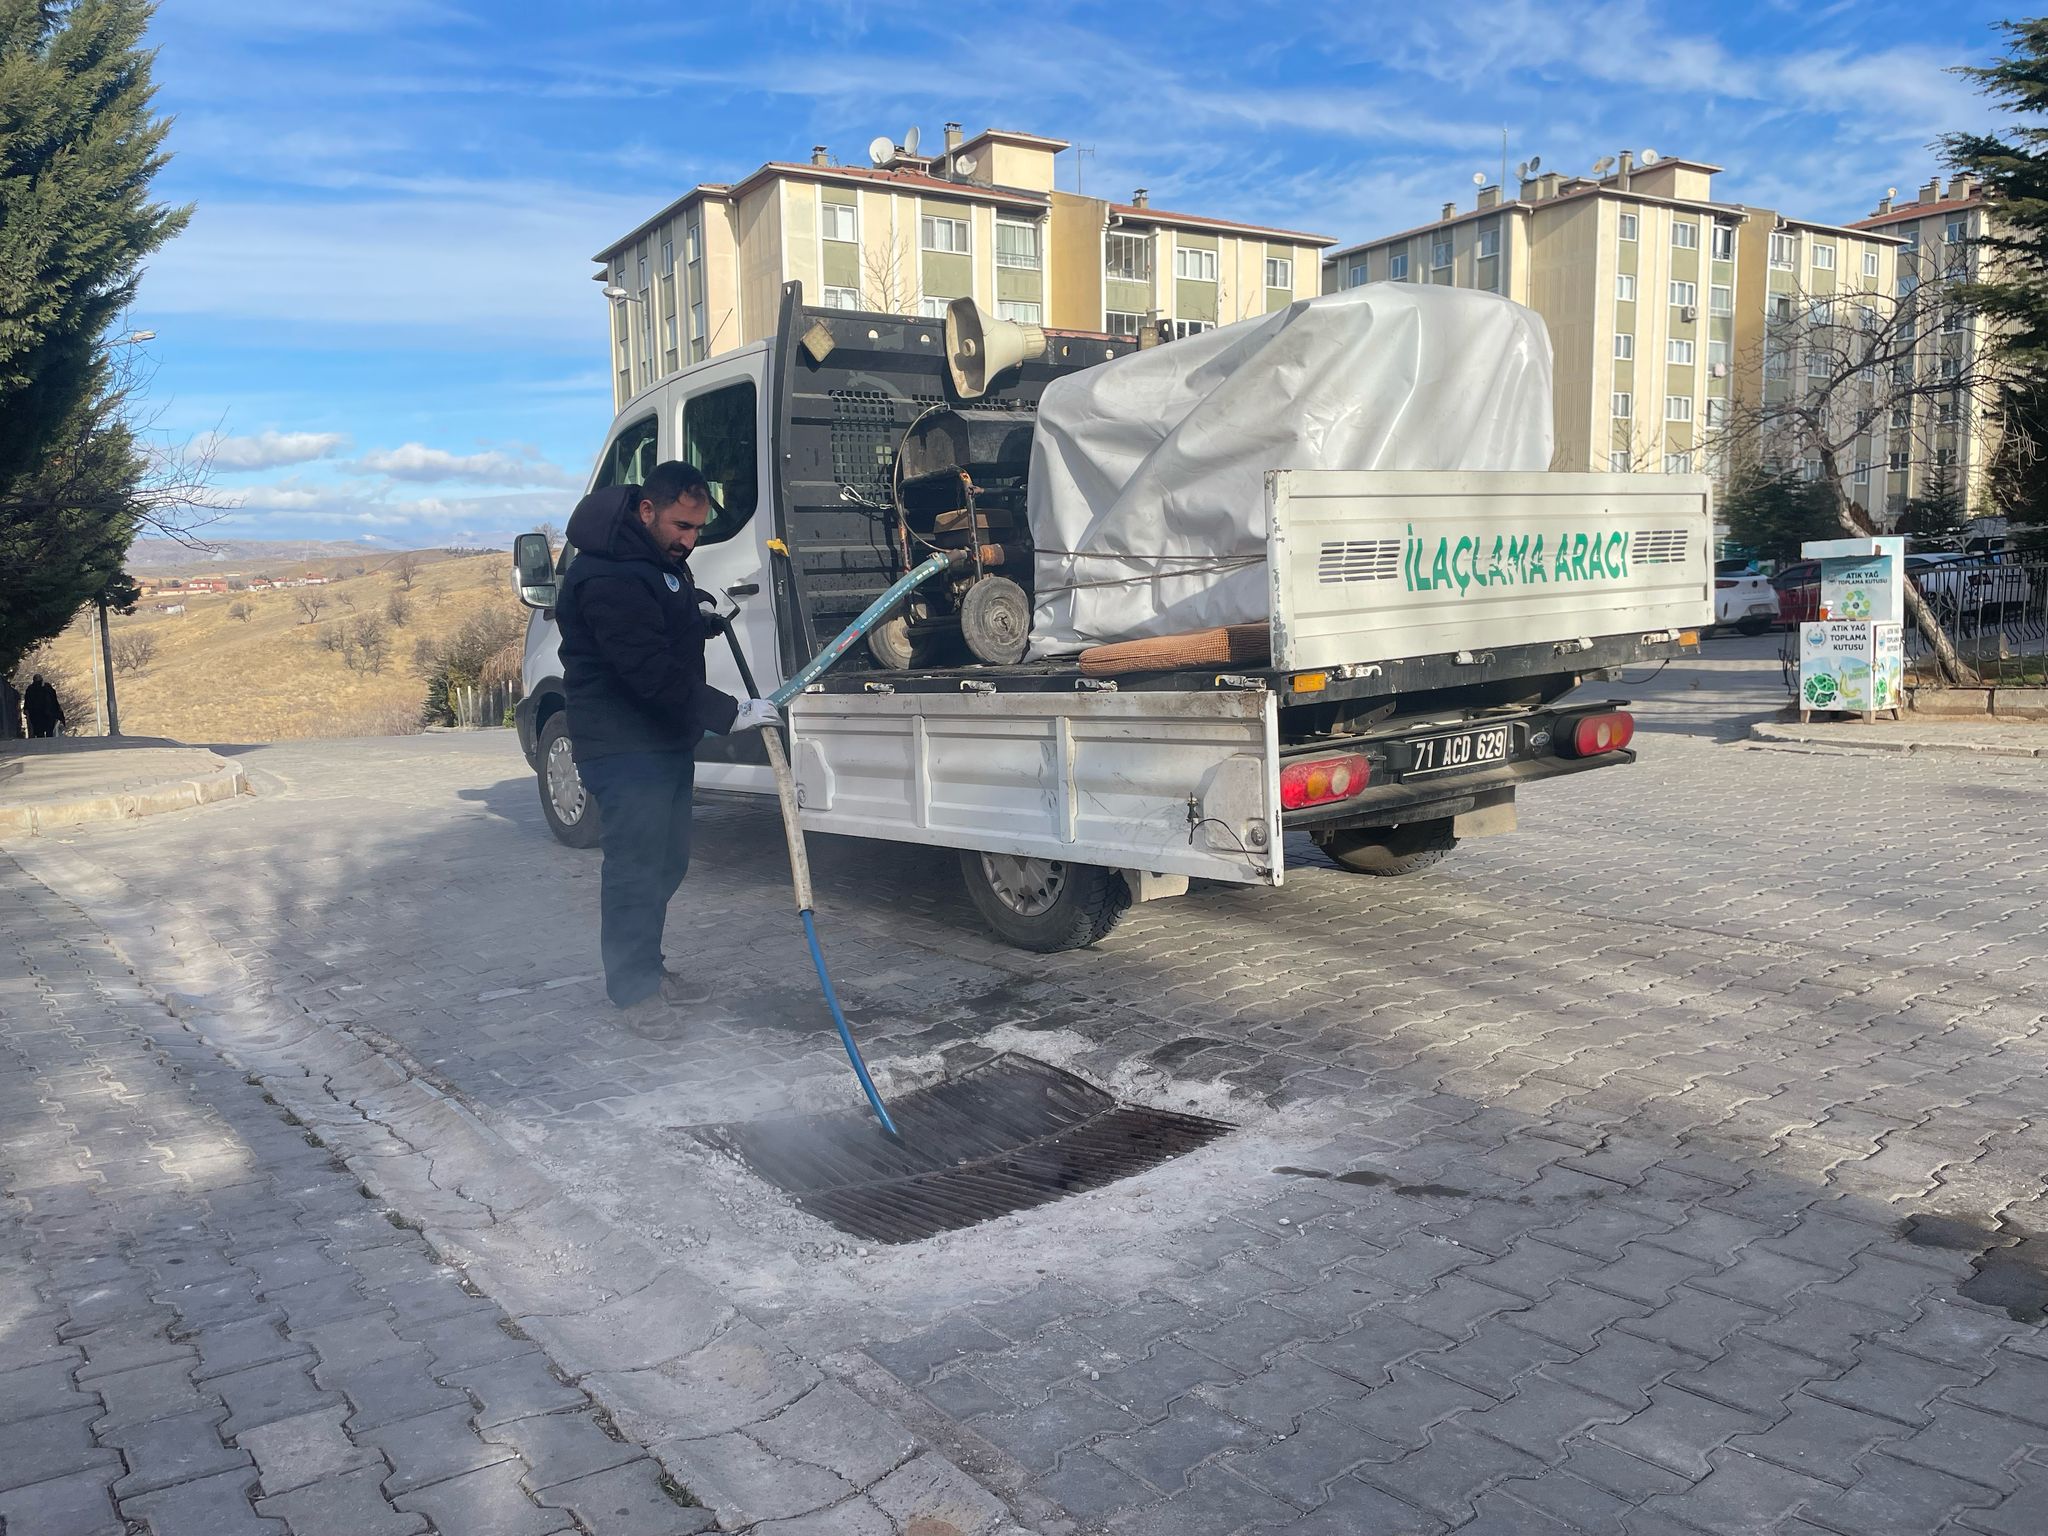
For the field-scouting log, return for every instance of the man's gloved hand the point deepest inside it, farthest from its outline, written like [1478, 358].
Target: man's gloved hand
[755, 714]
[715, 623]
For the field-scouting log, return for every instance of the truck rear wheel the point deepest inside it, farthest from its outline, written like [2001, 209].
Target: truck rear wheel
[570, 809]
[1045, 905]
[1389, 851]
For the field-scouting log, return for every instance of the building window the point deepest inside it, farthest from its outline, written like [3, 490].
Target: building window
[1358, 272]
[1017, 245]
[1440, 252]
[1721, 299]
[1823, 257]
[1863, 471]
[1121, 322]
[1624, 344]
[1717, 357]
[1685, 236]
[1945, 412]
[668, 253]
[640, 263]
[1127, 257]
[841, 221]
[1956, 231]
[1777, 363]
[1944, 458]
[1717, 412]
[1195, 264]
[937, 233]
[1677, 463]
[1900, 417]
[1897, 462]
[1951, 368]
[1779, 307]
[700, 344]
[1397, 266]
[1685, 295]
[1784, 251]
[1818, 365]
[1870, 263]
[1192, 327]
[1020, 311]
[1951, 321]
[1280, 272]
[1724, 242]
[1628, 226]
[1678, 350]
[1909, 283]
[670, 352]
[842, 298]
[1678, 407]
[932, 308]
[1625, 287]
[1489, 243]
[1617, 461]
[1624, 404]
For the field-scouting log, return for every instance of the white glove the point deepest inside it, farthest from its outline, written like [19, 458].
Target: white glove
[754, 715]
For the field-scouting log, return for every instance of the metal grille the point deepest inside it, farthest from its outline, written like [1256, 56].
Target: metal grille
[865, 426]
[1657, 546]
[1358, 560]
[1006, 1136]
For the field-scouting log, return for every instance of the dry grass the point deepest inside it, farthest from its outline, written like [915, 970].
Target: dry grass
[269, 678]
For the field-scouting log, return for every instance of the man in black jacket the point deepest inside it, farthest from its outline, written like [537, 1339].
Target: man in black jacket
[633, 637]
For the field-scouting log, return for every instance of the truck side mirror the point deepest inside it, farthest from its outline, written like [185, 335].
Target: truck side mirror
[533, 570]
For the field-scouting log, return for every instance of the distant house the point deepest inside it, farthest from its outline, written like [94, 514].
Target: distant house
[170, 607]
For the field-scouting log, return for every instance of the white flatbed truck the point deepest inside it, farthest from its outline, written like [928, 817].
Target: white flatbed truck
[1424, 627]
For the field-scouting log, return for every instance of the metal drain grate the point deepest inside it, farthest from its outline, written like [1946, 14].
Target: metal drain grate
[1005, 1136]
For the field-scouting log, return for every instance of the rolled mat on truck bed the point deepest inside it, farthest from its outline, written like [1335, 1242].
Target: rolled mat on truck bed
[1233, 645]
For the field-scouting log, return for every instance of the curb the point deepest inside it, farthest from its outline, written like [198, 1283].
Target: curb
[224, 783]
[1765, 735]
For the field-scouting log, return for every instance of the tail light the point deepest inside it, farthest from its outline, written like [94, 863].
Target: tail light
[1723, 583]
[1592, 735]
[1322, 780]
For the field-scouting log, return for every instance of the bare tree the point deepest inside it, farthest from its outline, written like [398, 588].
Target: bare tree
[398, 610]
[311, 603]
[1846, 386]
[405, 569]
[240, 610]
[365, 644]
[133, 649]
[884, 284]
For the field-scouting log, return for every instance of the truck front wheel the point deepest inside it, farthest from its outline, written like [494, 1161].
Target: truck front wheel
[1045, 905]
[1389, 851]
[570, 810]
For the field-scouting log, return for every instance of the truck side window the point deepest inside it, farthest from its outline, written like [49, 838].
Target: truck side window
[719, 438]
[630, 456]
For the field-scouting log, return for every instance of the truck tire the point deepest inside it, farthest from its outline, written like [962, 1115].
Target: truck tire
[570, 809]
[1044, 904]
[1389, 851]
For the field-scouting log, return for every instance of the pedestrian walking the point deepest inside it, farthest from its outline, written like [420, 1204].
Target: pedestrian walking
[44, 709]
[634, 627]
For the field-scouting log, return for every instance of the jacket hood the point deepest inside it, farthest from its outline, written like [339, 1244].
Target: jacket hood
[607, 522]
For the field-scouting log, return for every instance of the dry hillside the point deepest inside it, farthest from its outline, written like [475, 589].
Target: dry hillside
[275, 675]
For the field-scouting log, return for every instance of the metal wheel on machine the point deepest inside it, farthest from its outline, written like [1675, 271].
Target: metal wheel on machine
[995, 620]
[889, 643]
[1045, 905]
[1389, 851]
[570, 810]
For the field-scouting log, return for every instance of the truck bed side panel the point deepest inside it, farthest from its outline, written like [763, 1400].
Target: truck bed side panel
[1370, 567]
[1173, 783]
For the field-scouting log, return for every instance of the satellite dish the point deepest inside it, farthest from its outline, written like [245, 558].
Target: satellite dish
[911, 140]
[963, 165]
[881, 149]
[1650, 157]
[1891, 191]
[1535, 164]
[1522, 171]
[1603, 165]
[1479, 178]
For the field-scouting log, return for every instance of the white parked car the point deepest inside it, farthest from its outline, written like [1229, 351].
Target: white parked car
[1745, 601]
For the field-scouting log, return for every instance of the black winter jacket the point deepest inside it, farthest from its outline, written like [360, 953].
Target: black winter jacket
[632, 638]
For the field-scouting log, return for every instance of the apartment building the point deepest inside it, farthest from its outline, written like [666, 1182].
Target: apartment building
[980, 219]
[1656, 295]
[1958, 433]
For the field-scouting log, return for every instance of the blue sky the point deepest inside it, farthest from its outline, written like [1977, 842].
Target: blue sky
[383, 310]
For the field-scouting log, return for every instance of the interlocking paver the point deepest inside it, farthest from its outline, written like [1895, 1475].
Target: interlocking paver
[342, 1504]
[486, 1502]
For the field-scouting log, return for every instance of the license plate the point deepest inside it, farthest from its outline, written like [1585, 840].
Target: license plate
[1466, 749]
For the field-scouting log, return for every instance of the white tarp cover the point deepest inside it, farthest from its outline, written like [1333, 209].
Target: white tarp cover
[1147, 496]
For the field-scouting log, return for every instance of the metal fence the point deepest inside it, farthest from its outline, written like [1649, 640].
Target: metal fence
[1994, 608]
[482, 706]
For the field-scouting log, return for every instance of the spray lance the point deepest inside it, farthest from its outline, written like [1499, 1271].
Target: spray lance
[785, 786]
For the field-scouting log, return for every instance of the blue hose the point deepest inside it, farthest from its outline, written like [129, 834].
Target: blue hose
[860, 1068]
[870, 616]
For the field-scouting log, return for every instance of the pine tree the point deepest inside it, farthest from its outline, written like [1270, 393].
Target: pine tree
[2011, 288]
[1771, 515]
[78, 150]
[1938, 509]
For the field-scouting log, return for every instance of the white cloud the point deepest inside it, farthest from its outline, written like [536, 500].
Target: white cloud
[416, 461]
[272, 450]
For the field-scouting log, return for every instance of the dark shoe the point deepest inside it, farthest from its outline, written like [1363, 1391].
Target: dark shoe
[680, 993]
[651, 1019]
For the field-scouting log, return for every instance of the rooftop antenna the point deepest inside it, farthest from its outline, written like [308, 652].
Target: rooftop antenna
[911, 140]
[1503, 159]
[1479, 178]
[1080, 150]
[1603, 165]
[1650, 157]
[881, 150]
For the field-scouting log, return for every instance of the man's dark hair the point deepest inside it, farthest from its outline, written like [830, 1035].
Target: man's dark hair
[672, 479]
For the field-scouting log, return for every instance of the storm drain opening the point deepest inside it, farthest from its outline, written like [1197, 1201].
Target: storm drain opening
[1005, 1136]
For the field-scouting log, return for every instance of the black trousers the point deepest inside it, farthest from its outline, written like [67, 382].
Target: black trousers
[644, 801]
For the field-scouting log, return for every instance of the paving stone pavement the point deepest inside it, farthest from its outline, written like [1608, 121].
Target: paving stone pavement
[1671, 1166]
[197, 1330]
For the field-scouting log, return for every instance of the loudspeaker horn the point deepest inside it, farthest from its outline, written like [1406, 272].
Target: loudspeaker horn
[979, 348]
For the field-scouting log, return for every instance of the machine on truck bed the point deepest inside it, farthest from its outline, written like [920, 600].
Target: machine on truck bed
[1424, 627]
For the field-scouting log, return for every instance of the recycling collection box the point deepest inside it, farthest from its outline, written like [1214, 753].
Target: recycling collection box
[1853, 665]
[1865, 581]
